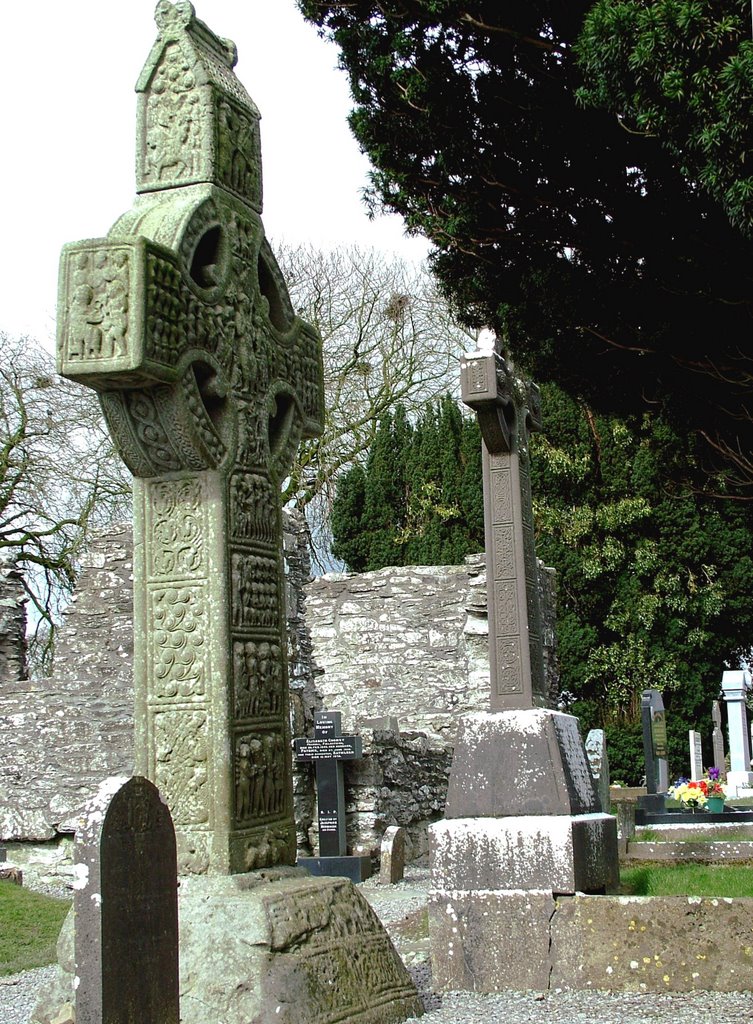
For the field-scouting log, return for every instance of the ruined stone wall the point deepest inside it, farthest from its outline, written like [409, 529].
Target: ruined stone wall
[12, 625]
[406, 644]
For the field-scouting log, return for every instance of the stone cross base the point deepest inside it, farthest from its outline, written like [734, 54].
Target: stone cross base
[737, 782]
[520, 762]
[496, 941]
[565, 854]
[277, 946]
[523, 825]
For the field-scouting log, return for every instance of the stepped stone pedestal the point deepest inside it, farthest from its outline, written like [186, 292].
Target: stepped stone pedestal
[523, 827]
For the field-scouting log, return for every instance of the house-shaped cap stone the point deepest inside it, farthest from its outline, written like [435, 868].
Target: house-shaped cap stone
[196, 122]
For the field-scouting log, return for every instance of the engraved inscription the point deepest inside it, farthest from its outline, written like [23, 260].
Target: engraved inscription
[506, 608]
[509, 668]
[501, 485]
[504, 552]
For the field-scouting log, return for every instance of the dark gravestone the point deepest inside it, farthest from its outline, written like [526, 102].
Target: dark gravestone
[717, 737]
[126, 908]
[327, 751]
[654, 723]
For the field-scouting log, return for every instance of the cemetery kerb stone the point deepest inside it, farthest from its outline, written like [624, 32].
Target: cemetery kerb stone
[523, 821]
[182, 322]
[328, 750]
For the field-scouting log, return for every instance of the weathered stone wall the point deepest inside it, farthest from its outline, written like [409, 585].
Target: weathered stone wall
[60, 737]
[12, 626]
[408, 644]
[412, 643]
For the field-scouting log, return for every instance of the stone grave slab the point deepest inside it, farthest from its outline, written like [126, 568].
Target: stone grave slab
[695, 746]
[126, 907]
[654, 722]
[392, 856]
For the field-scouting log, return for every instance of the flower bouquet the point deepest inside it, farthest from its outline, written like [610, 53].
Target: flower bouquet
[712, 781]
[691, 795]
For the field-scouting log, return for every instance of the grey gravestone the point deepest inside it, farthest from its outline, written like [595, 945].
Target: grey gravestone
[696, 755]
[598, 762]
[181, 320]
[654, 722]
[328, 750]
[717, 737]
[392, 855]
[126, 908]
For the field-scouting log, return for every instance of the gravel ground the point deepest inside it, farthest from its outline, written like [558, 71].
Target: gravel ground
[400, 908]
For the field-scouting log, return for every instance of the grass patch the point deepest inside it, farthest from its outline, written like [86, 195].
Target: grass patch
[730, 835]
[722, 880]
[29, 928]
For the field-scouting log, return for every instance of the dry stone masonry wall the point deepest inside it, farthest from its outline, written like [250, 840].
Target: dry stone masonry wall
[405, 646]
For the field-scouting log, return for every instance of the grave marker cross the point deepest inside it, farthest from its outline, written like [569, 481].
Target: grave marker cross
[507, 409]
[328, 750]
[181, 320]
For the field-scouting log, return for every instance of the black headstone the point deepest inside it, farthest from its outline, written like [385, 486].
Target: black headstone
[654, 724]
[327, 750]
[126, 908]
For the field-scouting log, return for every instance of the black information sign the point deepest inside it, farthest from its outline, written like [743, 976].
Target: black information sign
[327, 750]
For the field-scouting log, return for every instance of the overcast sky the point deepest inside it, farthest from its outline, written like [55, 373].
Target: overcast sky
[67, 75]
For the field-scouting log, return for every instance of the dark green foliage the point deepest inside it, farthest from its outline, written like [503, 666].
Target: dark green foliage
[588, 244]
[680, 70]
[419, 500]
[653, 573]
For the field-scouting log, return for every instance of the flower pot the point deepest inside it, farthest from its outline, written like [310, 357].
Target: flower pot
[715, 804]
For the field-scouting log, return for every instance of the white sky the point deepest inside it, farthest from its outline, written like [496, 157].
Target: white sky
[67, 75]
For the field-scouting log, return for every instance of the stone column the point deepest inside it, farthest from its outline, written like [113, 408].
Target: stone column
[735, 686]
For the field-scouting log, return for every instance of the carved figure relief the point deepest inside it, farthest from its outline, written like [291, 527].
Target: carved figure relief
[181, 747]
[174, 120]
[257, 670]
[239, 157]
[256, 591]
[253, 508]
[270, 846]
[260, 774]
[98, 306]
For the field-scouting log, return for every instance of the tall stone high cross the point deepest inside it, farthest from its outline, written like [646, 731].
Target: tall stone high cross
[181, 320]
[507, 409]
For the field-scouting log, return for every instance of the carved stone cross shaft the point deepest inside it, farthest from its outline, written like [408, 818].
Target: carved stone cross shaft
[181, 320]
[507, 409]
